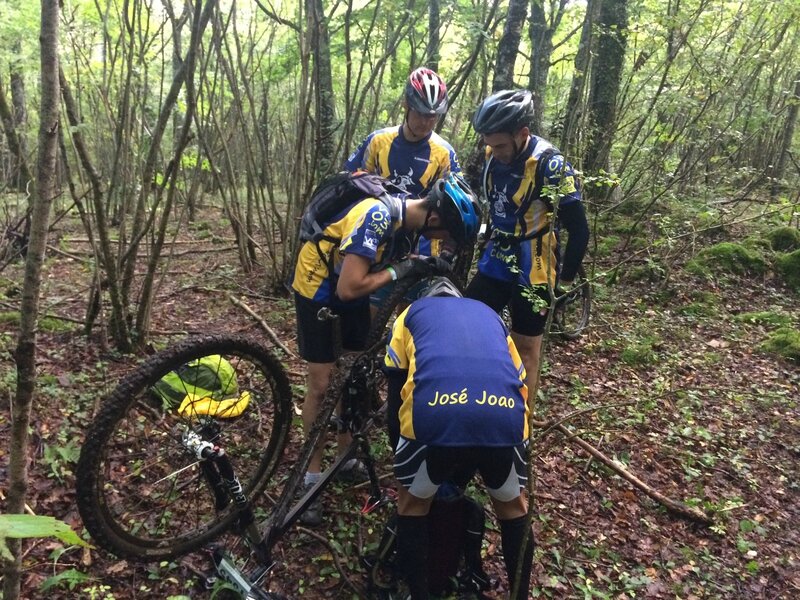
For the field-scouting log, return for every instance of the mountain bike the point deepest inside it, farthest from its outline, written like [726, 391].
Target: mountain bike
[159, 477]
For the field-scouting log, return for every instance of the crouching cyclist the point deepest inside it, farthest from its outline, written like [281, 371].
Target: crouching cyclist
[457, 402]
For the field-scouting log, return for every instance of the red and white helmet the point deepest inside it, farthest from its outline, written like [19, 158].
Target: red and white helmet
[426, 92]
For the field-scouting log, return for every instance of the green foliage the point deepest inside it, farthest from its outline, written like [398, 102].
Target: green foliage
[47, 324]
[784, 239]
[785, 342]
[728, 257]
[606, 245]
[639, 353]
[772, 318]
[68, 579]
[34, 526]
[704, 305]
[789, 267]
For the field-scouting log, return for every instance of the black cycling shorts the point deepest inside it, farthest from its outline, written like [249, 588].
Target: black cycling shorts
[315, 340]
[496, 294]
[421, 469]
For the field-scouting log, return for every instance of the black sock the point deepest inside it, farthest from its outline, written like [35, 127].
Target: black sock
[512, 532]
[412, 554]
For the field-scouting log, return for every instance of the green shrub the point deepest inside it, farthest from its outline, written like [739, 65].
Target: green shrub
[784, 341]
[729, 257]
[784, 239]
[606, 245]
[789, 267]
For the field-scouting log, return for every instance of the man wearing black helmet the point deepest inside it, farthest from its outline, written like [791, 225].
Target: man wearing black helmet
[455, 408]
[524, 179]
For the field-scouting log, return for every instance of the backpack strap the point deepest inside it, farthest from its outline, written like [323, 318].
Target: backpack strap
[542, 152]
[395, 207]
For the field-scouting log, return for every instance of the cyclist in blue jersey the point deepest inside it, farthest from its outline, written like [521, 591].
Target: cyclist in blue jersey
[457, 402]
[522, 257]
[365, 247]
[412, 155]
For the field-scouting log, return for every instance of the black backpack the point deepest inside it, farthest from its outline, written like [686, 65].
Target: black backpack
[456, 531]
[340, 191]
[335, 194]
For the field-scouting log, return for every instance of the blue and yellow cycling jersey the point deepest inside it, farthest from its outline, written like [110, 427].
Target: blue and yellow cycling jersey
[509, 189]
[411, 166]
[465, 380]
[515, 212]
[364, 229]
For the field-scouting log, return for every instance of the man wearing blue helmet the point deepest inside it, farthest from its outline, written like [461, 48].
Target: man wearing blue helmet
[524, 179]
[454, 409]
[360, 251]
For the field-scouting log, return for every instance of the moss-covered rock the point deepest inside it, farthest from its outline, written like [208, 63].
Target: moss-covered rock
[784, 239]
[784, 341]
[728, 257]
[788, 265]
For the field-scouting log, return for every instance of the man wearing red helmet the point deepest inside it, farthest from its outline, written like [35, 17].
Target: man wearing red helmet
[413, 156]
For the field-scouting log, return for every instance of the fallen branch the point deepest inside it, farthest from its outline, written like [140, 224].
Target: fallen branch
[263, 324]
[693, 514]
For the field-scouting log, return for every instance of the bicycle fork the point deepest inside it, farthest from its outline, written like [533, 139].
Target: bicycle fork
[218, 471]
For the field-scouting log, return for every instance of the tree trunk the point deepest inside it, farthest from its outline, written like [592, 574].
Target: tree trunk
[20, 121]
[788, 135]
[119, 322]
[541, 36]
[508, 47]
[575, 102]
[434, 18]
[25, 353]
[613, 25]
[323, 79]
[12, 138]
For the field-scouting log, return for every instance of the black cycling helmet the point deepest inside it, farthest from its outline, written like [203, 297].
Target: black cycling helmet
[426, 92]
[504, 112]
[457, 207]
[441, 286]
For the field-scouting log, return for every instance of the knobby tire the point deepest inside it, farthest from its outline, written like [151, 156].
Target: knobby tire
[140, 493]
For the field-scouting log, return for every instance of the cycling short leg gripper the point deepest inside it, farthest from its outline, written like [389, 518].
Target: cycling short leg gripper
[512, 532]
[412, 554]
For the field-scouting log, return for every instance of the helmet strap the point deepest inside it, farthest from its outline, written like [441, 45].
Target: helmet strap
[517, 150]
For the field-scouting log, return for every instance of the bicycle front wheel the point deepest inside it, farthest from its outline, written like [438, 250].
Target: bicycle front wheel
[142, 494]
[572, 317]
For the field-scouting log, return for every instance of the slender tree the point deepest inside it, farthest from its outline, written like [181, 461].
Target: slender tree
[541, 36]
[508, 47]
[18, 100]
[574, 110]
[25, 352]
[434, 21]
[323, 79]
[613, 24]
[786, 138]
